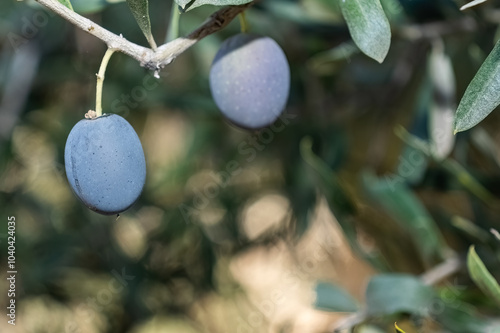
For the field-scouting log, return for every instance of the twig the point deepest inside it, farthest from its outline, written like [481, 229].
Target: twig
[440, 272]
[148, 58]
[439, 29]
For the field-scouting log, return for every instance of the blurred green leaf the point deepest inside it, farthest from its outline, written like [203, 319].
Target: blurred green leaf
[91, 6]
[400, 203]
[452, 166]
[393, 10]
[368, 26]
[287, 10]
[67, 3]
[190, 4]
[369, 329]
[470, 228]
[397, 293]
[457, 317]
[441, 110]
[481, 276]
[412, 162]
[481, 96]
[486, 144]
[339, 202]
[328, 181]
[140, 10]
[330, 297]
[469, 181]
[327, 62]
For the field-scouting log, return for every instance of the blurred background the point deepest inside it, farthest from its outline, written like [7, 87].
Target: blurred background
[355, 210]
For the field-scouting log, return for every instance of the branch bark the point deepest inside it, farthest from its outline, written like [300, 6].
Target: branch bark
[166, 53]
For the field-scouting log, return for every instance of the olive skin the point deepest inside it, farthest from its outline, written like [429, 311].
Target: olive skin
[105, 163]
[250, 80]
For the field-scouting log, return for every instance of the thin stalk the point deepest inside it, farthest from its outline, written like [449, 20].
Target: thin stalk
[100, 81]
[243, 22]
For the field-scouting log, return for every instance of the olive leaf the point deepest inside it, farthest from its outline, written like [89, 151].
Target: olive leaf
[481, 276]
[67, 3]
[388, 294]
[368, 26]
[442, 108]
[472, 4]
[397, 200]
[190, 4]
[330, 297]
[481, 96]
[140, 9]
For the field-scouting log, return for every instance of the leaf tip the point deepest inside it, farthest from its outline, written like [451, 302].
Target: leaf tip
[398, 330]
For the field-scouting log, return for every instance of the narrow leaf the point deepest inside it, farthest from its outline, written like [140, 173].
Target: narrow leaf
[398, 330]
[368, 26]
[441, 110]
[470, 228]
[140, 10]
[338, 198]
[88, 6]
[330, 297]
[460, 317]
[398, 201]
[472, 4]
[481, 276]
[190, 4]
[67, 3]
[388, 294]
[481, 96]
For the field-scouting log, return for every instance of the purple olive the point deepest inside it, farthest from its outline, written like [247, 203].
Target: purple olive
[105, 163]
[250, 80]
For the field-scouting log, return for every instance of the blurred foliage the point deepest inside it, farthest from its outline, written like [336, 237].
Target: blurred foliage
[224, 208]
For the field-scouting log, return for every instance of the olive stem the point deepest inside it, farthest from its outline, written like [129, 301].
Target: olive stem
[100, 81]
[243, 22]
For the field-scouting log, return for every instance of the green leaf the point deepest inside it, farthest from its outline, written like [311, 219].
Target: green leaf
[67, 3]
[459, 317]
[328, 62]
[452, 166]
[470, 228]
[140, 9]
[393, 195]
[88, 6]
[190, 4]
[481, 96]
[368, 26]
[441, 110]
[92, 6]
[339, 200]
[364, 328]
[388, 294]
[481, 276]
[330, 297]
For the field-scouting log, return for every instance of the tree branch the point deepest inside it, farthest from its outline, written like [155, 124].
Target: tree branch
[148, 58]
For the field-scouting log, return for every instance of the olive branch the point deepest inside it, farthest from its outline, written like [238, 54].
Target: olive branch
[149, 58]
